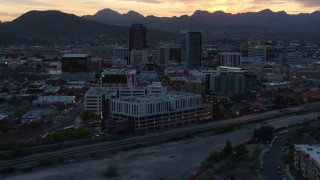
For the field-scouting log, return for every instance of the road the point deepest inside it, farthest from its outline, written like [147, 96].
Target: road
[273, 158]
[175, 160]
[59, 122]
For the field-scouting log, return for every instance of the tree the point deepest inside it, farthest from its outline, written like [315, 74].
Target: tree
[280, 101]
[14, 100]
[264, 134]
[85, 115]
[228, 148]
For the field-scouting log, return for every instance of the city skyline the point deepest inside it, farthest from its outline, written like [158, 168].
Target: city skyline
[162, 8]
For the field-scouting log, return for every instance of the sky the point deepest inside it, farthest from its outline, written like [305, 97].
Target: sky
[11, 9]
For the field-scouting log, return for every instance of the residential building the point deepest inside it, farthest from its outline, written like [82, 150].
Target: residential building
[307, 160]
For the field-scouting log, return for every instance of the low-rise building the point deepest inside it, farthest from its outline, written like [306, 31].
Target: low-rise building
[31, 116]
[307, 160]
[156, 112]
[119, 78]
[4, 122]
[274, 86]
[94, 96]
[54, 100]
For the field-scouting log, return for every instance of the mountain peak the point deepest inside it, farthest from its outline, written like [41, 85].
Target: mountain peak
[134, 14]
[266, 11]
[107, 11]
[200, 13]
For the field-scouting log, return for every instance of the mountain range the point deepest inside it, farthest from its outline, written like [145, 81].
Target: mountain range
[108, 26]
[59, 26]
[206, 21]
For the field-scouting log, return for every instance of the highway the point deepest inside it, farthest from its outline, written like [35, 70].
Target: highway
[196, 129]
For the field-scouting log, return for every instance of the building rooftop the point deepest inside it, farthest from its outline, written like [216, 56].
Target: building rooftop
[118, 71]
[31, 114]
[158, 97]
[54, 98]
[312, 150]
[228, 53]
[75, 56]
[276, 83]
[2, 117]
[98, 91]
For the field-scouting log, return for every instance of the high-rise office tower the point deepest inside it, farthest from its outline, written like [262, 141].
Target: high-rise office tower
[192, 50]
[137, 44]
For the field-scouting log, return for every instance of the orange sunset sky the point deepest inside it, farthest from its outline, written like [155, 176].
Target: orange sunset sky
[10, 9]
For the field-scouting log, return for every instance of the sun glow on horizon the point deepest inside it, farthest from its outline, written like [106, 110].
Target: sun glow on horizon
[162, 8]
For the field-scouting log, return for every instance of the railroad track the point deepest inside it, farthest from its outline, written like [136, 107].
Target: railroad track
[128, 143]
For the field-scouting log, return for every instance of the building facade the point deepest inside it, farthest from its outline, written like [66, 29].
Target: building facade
[169, 53]
[230, 59]
[119, 78]
[94, 96]
[306, 160]
[75, 63]
[258, 52]
[193, 50]
[156, 112]
[137, 43]
[31, 116]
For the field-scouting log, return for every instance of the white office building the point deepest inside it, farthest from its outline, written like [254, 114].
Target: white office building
[158, 111]
[258, 52]
[94, 96]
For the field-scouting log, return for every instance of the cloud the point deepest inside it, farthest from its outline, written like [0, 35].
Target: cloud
[309, 3]
[270, 2]
[27, 3]
[6, 14]
[148, 1]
